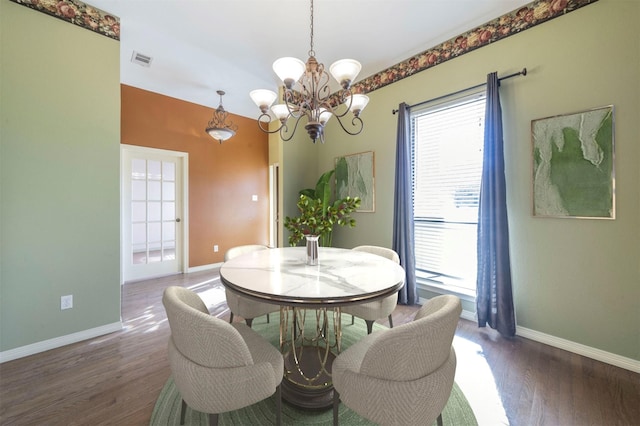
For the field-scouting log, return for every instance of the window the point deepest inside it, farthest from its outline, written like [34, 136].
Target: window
[447, 141]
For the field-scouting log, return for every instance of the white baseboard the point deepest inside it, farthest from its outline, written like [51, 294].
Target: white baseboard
[57, 342]
[577, 348]
[205, 267]
[556, 342]
[567, 345]
[468, 315]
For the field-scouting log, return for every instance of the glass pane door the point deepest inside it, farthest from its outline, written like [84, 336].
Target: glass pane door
[152, 226]
[153, 211]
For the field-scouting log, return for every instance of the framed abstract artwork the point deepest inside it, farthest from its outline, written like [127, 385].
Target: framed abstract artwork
[573, 165]
[355, 177]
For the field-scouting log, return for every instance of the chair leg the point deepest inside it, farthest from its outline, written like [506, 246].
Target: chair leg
[267, 318]
[213, 419]
[336, 403]
[390, 321]
[231, 318]
[369, 326]
[249, 321]
[183, 411]
[440, 419]
[279, 405]
[352, 319]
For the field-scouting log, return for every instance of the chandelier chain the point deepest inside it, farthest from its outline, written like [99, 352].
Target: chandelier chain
[311, 51]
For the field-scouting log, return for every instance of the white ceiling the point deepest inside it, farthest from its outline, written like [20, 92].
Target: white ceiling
[200, 46]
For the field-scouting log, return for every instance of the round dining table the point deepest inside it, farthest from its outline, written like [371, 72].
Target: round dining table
[282, 276]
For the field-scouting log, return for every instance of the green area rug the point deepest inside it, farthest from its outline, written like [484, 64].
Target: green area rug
[167, 408]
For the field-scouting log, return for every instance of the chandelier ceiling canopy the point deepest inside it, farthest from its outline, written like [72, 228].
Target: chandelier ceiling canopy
[218, 128]
[306, 94]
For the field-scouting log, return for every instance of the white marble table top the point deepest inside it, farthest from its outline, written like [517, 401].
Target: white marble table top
[342, 276]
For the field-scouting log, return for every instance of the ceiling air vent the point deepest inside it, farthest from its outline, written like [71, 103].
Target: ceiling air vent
[140, 59]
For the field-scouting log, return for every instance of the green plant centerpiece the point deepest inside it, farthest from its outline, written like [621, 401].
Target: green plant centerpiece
[318, 214]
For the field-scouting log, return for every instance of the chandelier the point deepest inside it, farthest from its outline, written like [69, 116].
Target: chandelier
[307, 94]
[217, 127]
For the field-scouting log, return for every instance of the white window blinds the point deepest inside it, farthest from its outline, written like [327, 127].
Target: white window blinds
[447, 155]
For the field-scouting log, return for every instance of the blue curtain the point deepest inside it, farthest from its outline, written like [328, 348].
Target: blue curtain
[403, 238]
[494, 298]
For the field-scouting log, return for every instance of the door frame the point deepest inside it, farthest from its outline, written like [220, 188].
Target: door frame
[274, 205]
[183, 213]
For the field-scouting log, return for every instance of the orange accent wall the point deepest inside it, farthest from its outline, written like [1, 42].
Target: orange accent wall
[222, 177]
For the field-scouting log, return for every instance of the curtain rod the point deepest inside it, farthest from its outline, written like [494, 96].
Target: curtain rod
[523, 72]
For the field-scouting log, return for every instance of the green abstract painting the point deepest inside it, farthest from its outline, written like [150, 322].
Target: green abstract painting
[573, 165]
[355, 178]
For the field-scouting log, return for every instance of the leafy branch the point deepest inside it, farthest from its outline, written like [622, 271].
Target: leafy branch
[318, 215]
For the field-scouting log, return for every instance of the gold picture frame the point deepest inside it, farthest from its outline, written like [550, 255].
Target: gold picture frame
[573, 165]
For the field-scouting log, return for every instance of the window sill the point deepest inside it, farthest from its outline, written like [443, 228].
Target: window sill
[462, 293]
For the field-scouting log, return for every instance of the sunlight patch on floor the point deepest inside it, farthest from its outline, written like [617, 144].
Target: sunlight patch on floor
[197, 287]
[475, 378]
[213, 297]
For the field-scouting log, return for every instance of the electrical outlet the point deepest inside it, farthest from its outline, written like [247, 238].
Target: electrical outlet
[215, 248]
[66, 302]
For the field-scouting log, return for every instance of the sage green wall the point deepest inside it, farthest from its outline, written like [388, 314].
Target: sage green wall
[59, 193]
[576, 279]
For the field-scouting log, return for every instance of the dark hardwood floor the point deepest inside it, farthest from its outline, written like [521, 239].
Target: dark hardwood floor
[115, 379]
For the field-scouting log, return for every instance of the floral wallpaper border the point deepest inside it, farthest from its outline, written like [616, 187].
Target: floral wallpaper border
[78, 13]
[526, 17]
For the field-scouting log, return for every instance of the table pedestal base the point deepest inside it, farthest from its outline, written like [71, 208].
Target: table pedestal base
[295, 387]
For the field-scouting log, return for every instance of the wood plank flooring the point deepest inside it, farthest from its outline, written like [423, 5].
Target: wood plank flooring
[115, 379]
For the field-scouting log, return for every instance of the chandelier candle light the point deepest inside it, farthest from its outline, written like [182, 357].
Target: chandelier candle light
[217, 127]
[307, 94]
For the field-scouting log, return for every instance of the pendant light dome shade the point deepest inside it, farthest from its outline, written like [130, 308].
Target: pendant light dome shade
[263, 98]
[289, 70]
[345, 71]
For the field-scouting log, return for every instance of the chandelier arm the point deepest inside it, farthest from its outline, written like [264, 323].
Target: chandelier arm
[302, 107]
[342, 97]
[293, 132]
[327, 105]
[324, 91]
[289, 99]
[266, 129]
[334, 109]
[356, 122]
[307, 93]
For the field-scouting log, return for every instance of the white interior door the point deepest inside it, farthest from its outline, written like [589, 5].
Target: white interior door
[153, 212]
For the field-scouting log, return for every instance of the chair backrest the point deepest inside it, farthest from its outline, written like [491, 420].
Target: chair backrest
[416, 349]
[200, 337]
[380, 251]
[238, 250]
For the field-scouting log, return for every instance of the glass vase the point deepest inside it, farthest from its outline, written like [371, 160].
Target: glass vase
[312, 249]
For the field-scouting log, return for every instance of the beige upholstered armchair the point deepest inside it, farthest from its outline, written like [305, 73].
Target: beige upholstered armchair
[243, 306]
[371, 311]
[216, 366]
[403, 375]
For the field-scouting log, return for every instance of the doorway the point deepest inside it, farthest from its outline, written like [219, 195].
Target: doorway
[154, 214]
[274, 205]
